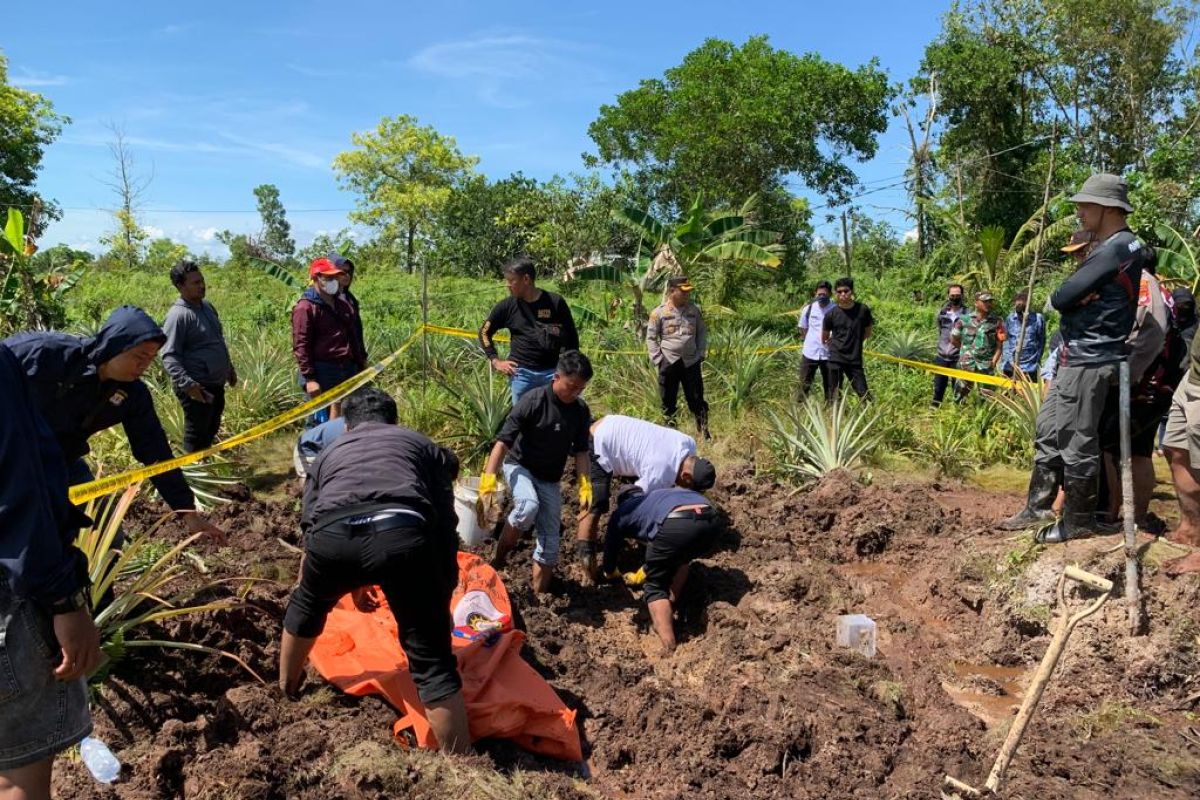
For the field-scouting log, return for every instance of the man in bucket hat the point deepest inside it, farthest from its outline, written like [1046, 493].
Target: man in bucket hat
[1097, 302]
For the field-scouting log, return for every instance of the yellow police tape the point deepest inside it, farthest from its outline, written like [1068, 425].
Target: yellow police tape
[84, 492]
[961, 374]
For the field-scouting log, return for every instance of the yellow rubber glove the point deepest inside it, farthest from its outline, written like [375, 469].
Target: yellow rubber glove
[487, 506]
[613, 576]
[635, 578]
[585, 492]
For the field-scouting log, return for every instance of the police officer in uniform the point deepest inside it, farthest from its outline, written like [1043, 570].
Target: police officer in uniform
[678, 342]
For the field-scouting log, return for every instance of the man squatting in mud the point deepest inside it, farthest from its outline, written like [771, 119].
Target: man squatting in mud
[625, 447]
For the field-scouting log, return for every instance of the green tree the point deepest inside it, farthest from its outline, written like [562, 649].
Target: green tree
[28, 124]
[162, 254]
[735, 121]
[403, 173]
[32, 290]
[276, 234]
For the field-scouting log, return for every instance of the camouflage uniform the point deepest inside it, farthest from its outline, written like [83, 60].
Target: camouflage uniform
[978, 340]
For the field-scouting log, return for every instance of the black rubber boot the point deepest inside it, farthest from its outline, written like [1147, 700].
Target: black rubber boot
[1079, 512]
[1043, 488]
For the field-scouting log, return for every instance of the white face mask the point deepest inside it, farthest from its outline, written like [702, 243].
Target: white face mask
[330, 286]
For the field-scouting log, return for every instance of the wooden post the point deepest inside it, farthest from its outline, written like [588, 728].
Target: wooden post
[1133, 589]
[1037, 252]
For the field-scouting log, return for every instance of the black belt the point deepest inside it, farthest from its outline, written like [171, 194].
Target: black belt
[708, 512]
[385, 522]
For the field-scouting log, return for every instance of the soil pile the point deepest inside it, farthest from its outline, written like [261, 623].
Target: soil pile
[756, 702]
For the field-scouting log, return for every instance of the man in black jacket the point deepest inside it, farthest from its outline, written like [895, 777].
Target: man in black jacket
[1098, 303]
[48, 642]
[541, 327]
[83, 385]
[379, 510]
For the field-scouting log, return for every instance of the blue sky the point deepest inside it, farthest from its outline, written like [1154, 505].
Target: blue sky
[219, 97]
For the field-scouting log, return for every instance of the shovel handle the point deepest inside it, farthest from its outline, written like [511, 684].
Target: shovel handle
[1088, 579]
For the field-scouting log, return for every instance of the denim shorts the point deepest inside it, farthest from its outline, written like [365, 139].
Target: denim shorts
[538, 505]
[39, 715]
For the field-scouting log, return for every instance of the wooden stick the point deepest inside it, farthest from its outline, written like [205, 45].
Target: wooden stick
[1133, 590]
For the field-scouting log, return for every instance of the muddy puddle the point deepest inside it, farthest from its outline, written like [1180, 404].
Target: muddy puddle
[990, 692]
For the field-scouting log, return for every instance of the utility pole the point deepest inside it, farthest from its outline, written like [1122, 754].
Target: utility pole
[846, 247]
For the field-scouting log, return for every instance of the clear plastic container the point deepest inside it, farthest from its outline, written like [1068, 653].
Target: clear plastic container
[857, 631]
[99, 760]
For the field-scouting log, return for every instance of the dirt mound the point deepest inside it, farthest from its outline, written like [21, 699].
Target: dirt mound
[757, 701]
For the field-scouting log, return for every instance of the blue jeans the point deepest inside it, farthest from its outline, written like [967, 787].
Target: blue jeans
[527, 379]
[39, 714]
[538, 505]
[328, 375]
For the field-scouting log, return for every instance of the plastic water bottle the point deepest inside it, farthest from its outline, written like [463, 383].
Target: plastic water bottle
[100, 761]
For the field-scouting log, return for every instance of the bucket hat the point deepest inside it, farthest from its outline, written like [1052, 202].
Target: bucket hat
[1104, 189]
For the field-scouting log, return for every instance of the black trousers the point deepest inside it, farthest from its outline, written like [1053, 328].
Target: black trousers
[854, 372]
[808, 370]
[417, 573]
[940, 382]
[201, 421]
[678, 542]
[670, 376]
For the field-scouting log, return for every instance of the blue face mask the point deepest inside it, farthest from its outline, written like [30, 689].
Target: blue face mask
[823, 300]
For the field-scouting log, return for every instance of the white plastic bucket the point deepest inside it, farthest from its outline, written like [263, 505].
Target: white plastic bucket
[466, 492]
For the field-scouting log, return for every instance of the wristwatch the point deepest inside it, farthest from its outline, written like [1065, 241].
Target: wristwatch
[80, 598]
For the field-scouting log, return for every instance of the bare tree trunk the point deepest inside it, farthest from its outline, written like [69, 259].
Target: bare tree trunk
[129, 188]
[412, 235]
[846, 247]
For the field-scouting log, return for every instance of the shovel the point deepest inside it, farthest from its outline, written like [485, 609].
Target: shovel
[953, 789]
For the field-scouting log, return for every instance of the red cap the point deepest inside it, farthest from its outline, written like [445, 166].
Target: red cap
[323, 266]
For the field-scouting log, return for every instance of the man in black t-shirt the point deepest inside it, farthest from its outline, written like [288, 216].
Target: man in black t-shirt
[548, 424]
[845, 327]
[541, 327]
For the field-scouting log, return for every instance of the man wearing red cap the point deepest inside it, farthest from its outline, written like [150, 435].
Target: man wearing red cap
[325, 337]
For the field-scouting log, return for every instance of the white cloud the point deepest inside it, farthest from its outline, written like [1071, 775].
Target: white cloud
[153, 231]
[204, 234]
[502, 66]
[32, 79]
[910, 235]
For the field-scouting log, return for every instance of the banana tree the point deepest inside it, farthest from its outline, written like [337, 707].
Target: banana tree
[1178, 260]
[711, 247]
[30, 296]
[1002, 267]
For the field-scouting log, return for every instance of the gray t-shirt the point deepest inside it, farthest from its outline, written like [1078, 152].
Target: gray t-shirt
[195, 351]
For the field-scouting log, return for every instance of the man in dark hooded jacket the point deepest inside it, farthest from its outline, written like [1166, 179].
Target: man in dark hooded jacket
[49, 642]
[82, 386]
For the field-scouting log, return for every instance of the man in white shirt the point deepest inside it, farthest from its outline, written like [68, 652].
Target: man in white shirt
[659, 457]
[816, 356]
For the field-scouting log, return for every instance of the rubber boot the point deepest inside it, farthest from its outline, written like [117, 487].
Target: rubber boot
[1079, 512]
[1043, 487]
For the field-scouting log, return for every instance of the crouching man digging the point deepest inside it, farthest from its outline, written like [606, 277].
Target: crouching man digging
[678, 525]
[379, 510]
[626, 447]
[548, 424]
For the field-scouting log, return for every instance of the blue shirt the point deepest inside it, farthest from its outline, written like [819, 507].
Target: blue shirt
[1031, 347]
[314, 440]
[640, 514]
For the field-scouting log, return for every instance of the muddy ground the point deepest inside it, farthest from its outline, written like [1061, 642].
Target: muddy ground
[756, 702]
